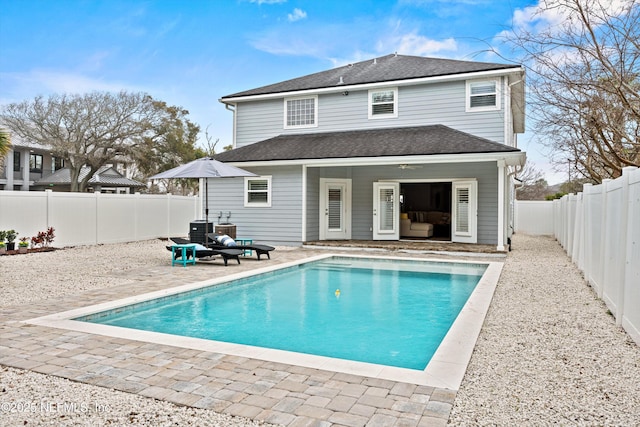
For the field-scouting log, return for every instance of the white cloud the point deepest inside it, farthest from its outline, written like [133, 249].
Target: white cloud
[46, 82]
[548, 14]
[297, 15]
[415, 44]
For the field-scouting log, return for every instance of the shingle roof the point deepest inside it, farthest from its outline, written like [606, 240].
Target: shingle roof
[406, 141]
[383, 69]
[106, 176]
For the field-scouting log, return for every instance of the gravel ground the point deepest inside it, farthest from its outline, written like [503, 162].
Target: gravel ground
[549, 353]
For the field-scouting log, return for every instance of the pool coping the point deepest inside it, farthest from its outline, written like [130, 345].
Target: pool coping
[445, 370]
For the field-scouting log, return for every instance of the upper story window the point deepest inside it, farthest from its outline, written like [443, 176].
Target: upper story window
[257, 192]
[35, 163]
[56, 163]
[300, 112]
[483, 95]
[16, 161]
[383, 103]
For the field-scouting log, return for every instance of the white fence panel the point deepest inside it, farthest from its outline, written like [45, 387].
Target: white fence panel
[24, 212]
[116, 218]
[93, 218]
[613, 256]
[600, 230]
[74, 216]
[177, 215]
[534, 217]
[155, 206]
[631, 315]
[594, 231]
[578, 224]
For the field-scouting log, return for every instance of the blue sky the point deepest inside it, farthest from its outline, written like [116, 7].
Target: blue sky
[192, 52]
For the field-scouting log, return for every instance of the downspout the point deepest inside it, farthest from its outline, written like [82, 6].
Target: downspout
[510, 209]
[503, 209]
[501, 205]
[233, 110]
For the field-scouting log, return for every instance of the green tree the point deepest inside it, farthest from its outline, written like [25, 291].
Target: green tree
[534, 186]
[172, 143]
[5, 142]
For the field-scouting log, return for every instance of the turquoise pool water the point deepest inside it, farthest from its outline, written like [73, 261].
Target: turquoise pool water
[393, 313]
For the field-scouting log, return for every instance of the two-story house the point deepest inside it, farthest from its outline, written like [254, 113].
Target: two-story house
[32, 167]
[25, 164]
[365, 150]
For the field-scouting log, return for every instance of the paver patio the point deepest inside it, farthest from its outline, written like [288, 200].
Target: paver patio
[274, 392]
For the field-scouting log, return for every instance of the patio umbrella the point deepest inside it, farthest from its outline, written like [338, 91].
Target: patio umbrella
[206, 167]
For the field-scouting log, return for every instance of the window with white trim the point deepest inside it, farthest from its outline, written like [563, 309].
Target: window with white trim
[257, 191]
[383, 103]
[300, 112]
[483, 95]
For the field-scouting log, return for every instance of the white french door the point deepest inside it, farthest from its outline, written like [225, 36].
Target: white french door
[335, 209]
[464, 216]
[386, 210]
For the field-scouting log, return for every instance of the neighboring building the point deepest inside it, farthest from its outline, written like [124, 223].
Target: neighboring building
[106, 180]
[376, 148]
[26, 163]
[32, 167]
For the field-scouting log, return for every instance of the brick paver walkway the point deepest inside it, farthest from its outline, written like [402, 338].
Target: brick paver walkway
[273, 392]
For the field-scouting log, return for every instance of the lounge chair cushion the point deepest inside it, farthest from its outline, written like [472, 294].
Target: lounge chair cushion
[225, 240]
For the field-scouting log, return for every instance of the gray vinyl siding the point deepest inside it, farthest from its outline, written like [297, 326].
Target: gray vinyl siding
[313, 204]
[363, 178]
[280, 224]
[419, 105]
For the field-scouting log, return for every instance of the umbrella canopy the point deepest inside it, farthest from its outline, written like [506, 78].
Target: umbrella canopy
[206, 167]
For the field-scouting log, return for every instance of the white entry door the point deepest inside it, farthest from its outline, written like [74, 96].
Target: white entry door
[386, 210]
[335, 209]
[464, 218]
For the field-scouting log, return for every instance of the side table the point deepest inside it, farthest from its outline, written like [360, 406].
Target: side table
[241, 241]
[183, 251]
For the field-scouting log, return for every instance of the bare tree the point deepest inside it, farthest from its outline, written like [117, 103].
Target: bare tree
[534, 186]
[86, 130]
[584, 81]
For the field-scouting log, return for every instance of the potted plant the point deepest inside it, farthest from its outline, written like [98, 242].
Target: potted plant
[3, 246]
[11, 239]
[23, 245]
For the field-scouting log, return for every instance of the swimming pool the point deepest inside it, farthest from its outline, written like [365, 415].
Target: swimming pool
[445, 369]
[392, 313]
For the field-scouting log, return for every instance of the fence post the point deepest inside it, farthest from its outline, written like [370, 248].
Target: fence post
[168, 215]
[624, 225]
[136, 214]
[588, 230]
[576, 245]
[96, 195]
[48, 204]
[632, 272]
[603, 235]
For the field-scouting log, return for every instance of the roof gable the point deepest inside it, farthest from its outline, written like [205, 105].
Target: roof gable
[386, 142]
[383, 69]
[106, 175]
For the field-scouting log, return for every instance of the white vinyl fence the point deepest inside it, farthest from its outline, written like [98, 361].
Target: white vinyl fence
[600, 230]
[534, 217]
[95, 218]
